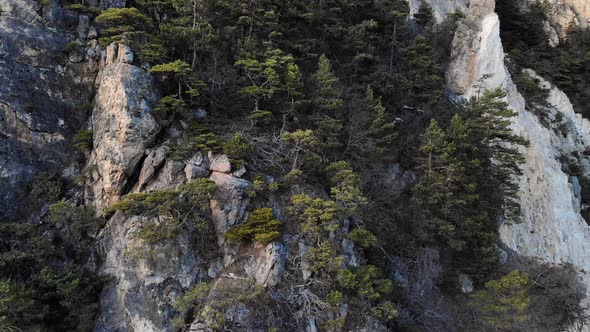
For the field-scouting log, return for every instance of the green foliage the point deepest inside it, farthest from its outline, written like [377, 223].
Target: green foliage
[83, 141]
[345, 188]
[18, 305]
[323, 259]
[209, 302]
[505, 301]
[260, 117]
[423, 73]
[335, 299]
[170, 108]
[424, 15]
[382, 128]
[385, 311]
[170, 211]
[468, 179]
[44, 188]
[366, 281]
[315, 214]
[301, 141]
[194, 297]
[82, 9]
[261, 227]
[39, 290]
[328, 96]
[363, 237]
[196, 138]
[79, 223]
[267, 73]
[177, 69]
[294, 176]
[73, 46]
[121, 24]
[75, 290]
[238, 147]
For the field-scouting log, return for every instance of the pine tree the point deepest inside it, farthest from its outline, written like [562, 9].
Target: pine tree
[467, 180]
[328, 97]
[178, 71]
[328, 101]
[424, 16]
[489, 118]
[301, 141]
[424, 73]
[122, 24]
[266, 73]
[382, 129]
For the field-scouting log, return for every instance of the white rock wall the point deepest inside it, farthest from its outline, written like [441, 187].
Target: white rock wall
[564, 12]
[552, 228]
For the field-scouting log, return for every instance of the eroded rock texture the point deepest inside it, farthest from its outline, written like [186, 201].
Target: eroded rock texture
[43, 95]
[123, 126]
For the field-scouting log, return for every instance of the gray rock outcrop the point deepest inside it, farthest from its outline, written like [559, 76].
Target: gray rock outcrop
[42, 95]
[123, 126]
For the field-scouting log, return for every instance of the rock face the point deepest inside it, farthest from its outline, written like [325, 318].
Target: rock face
[146, 282]
[42, 94]
[552, 228]
[477, 49]
[565, 12]
[123, 126]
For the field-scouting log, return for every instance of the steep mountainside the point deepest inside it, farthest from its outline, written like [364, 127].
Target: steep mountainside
[372, 165]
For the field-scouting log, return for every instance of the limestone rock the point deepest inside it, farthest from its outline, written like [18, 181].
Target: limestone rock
[196, 167]
[111, 54]
[220, 163]
[123, 128]
[153, 161]
[477, 49]
[465, 284]
[125, 55]
[240, 172]
[229, 206]
[350, 257]
[171, 176]
[192, 172]
[303, 249]
[564, 12]
[92, 32]
[198, 160]
[83, 26]
[268, 266]
[145, 281]
[105, 4]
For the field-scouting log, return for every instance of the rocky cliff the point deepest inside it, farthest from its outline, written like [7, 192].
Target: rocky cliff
[58, 81]
[552, 228]
[47, 87]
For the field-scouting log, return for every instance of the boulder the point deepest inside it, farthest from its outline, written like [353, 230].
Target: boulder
[268, 266]
[220, 163]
